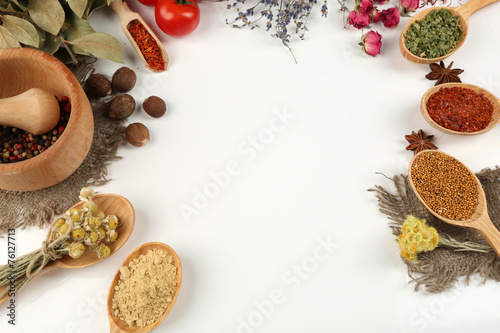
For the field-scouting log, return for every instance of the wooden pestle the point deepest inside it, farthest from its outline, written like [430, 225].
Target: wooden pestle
[35, 111]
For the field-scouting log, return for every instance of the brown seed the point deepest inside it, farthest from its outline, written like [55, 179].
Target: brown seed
[121, 107]
[98, 85]
[137, 134]
[124, 79]
[154, 106]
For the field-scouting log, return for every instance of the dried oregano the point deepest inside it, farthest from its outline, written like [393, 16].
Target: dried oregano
[434, 36]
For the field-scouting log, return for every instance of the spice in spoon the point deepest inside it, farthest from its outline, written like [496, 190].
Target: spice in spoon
[434, 36]
[445, 185]
[147, 45]
[460, 109]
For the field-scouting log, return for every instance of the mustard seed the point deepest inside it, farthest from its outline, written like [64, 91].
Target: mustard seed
[445, 185]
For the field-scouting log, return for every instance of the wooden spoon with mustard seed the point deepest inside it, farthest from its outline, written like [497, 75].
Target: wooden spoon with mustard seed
[128, 17]
[117, 325]
[495, 102]
[109, 204]
[479, 221]
[463, 12]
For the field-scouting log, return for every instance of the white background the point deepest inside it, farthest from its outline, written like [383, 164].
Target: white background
[305, 187]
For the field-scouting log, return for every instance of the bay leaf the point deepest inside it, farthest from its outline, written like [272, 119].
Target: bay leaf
[22, 4]
[47, 14]
[100, 45]
[93, 5]
[78, 6]
[22, 30]
[75, 27]
[7, 40]
[52, 44]
[3, 5]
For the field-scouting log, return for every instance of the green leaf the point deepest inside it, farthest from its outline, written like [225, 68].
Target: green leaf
[93, 5]
[52, 44]
[100, 45]
[22, 30]
[7, 40]
[47, 14]
[78, 6]
[75, 27]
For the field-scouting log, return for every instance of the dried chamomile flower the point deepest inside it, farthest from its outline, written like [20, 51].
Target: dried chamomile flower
[91, 238]
[90, 207]
[100, 214]
[64, 228]
[103, 251]
[74, 211]
[94, 222]
[78, 233]
[86, 194]
[76, 218]
[59, 223]
[112, 222]
[76, 250]
[113, 235]
[102, 232]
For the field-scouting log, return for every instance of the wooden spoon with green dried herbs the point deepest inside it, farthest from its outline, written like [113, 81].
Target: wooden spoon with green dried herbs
[433, 48]
[107, 203]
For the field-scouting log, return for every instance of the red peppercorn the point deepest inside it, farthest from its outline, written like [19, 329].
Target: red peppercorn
[44, 149]
[33, 148]
[19, 146]
[65, 99]
[11, 150]
[67, 107]
[60, 129]
[19, 157]
[12, 158]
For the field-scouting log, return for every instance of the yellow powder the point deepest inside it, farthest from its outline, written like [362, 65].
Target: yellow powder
[145, 288]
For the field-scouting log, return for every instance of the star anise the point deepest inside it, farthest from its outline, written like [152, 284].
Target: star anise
[444, 74]
[419, 141]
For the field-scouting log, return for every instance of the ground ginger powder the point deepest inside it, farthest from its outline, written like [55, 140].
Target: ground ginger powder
[145, 288]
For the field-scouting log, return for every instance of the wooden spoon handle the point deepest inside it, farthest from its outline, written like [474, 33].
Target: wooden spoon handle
[36, 111]
[485, 228]
[121, 8]
[473, 6]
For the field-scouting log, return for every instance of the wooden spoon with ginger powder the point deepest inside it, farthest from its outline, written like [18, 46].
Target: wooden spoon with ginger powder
[157, 263]
[452, 193]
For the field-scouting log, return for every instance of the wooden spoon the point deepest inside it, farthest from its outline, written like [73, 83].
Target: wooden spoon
[129, 17]
[463, 13]
[479, 221]
[118, 326]
[35, 110]
[109, 204]
[492, 98]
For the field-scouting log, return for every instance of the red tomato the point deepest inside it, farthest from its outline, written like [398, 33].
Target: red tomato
[177, 17]
[148, 2]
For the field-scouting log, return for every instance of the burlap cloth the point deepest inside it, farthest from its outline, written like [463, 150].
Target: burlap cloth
[441, 268]
[37, 208]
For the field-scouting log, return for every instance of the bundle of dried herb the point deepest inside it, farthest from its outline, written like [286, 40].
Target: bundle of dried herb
[57, 27]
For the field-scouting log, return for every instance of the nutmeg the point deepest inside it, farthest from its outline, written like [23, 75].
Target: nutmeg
[98, 85]
[124, 79]
[137, 134]
[154, 106]
[121, 107]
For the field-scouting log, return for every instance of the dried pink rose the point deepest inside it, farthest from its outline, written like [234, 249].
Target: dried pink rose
[389, 17]
[409, 5]
[371, 43]
[366, 6]
[358, 19]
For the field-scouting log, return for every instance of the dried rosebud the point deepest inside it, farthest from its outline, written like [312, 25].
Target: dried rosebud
[358, 19]
[389, 17]
[366, 6]
[371, 43]
[409, 5]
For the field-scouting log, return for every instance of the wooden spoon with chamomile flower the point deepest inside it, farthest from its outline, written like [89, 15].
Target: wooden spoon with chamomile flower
[109, 204]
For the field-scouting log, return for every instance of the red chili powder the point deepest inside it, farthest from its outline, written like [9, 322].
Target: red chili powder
[460, 109]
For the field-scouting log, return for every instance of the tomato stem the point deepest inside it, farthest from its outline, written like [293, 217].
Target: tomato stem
[186, 2]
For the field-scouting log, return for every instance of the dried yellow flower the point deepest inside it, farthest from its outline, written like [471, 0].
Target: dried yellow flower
[102, 232]
[112, 222]
[416, 237]
[59, 223]
[76, 250]
[103, 251]
[86, 193]
[64, 228]
[113, 235]
[78, 233]
[91, 238]
[91, 207]
[94, 222]
[100, 214]
[76, 218]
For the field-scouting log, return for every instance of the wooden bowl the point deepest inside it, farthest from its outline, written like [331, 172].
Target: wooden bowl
[495, 102]
[22, 69]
